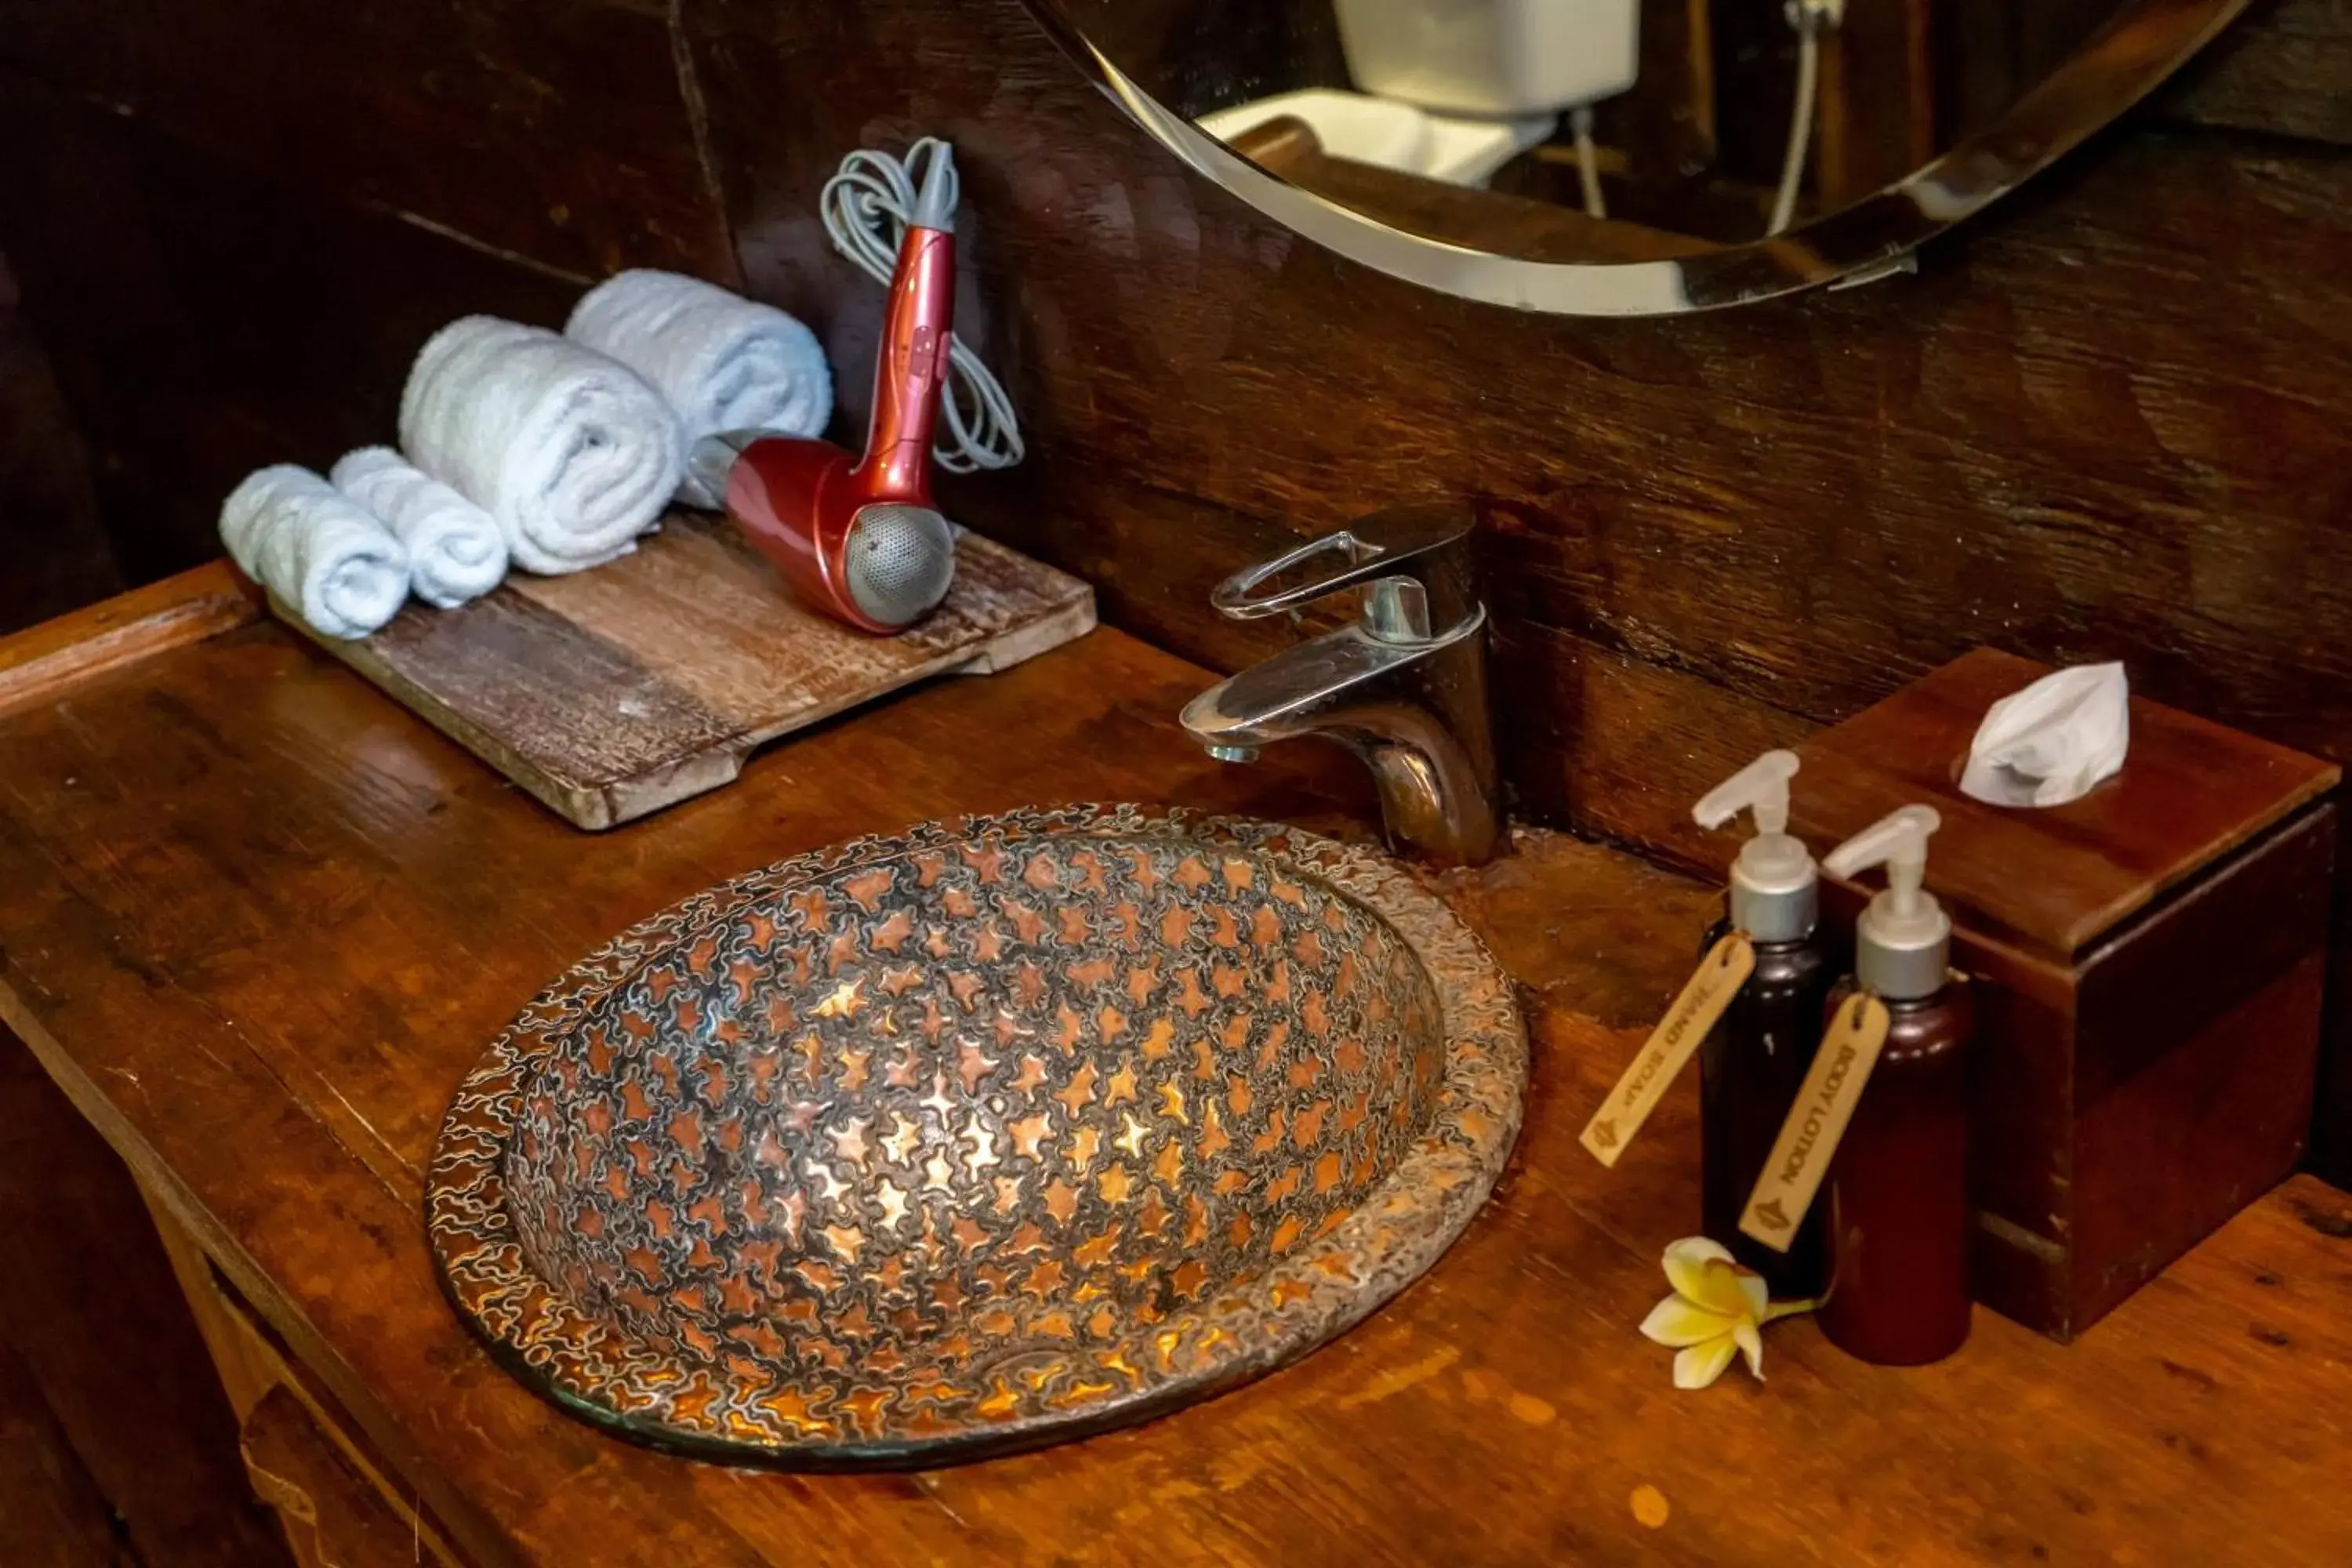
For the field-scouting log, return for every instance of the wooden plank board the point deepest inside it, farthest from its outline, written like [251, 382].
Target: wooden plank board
[610, 694]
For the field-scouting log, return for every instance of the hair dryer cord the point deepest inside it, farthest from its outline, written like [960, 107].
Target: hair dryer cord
[866, 207]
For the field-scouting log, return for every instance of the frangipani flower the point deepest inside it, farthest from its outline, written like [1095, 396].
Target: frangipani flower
[1719, 1309]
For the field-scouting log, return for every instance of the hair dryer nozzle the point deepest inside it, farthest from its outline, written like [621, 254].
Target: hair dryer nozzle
[942, 190]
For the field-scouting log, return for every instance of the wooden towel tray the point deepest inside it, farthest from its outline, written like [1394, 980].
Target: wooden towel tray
[610, 694]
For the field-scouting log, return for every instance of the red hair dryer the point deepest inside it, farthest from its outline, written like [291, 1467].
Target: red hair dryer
[860, 538]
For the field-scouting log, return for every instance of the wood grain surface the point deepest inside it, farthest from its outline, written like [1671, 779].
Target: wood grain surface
[52, 1514]
[88, 1302]
[2056, 880]
[42, 660]
[259, 922]
[439, 111]
[2282, 72]
[613, 693]
[333, 1516]
[51, 531]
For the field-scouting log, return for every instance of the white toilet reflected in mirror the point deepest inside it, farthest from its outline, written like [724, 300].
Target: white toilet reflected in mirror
[1452, 90]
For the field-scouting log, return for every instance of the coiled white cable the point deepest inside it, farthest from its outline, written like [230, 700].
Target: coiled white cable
[866, 206]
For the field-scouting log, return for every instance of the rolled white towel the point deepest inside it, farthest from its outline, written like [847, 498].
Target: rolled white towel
[455, 551]
[571, 452]
[725, 362]
[316, 549]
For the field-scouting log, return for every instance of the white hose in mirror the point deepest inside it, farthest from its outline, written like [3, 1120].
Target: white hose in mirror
[1588, 161]
[1810, 18]
[1801, 131]
[866, 207]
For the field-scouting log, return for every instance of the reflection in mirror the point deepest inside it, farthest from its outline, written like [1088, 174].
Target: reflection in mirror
[1610, 131]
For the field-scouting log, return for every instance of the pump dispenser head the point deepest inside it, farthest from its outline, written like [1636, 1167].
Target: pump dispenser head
[1775, 887]
[1903, 942]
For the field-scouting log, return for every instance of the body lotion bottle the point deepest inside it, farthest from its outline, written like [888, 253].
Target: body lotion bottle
[1754, 1060]
[1898, 1204]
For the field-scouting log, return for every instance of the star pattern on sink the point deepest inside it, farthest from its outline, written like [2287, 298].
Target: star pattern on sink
[947, 1142]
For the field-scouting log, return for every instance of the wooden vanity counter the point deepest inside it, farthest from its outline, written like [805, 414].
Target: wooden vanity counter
[257, 921]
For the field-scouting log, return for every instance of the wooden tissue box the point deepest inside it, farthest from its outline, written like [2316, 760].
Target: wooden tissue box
[2149, 962]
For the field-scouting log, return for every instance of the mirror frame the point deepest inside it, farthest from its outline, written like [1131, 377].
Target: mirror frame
[2144, 43]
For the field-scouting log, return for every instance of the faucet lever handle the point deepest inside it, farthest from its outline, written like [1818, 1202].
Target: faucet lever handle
[1415, 558]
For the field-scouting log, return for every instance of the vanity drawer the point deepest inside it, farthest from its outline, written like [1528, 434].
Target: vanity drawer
[337, 1497]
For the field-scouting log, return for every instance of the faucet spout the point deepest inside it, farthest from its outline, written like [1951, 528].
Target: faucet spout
[1415, 711]
[1405, 686]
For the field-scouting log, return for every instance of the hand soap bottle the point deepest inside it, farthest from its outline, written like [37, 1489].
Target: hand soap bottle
[1898, 1212]
[1754, 1057]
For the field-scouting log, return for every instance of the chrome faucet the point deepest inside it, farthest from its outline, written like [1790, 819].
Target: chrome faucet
[1405, 686]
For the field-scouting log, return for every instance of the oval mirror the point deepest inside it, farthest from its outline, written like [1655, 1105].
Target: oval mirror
[1626, 157]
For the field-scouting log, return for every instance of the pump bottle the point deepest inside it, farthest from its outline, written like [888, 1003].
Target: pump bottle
[1754, 1060]
[1898, 1195]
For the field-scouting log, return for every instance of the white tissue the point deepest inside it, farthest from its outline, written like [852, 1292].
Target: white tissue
[571, 452]
[317, 549]
[455, 551]
[2054, 741]
[725, 362]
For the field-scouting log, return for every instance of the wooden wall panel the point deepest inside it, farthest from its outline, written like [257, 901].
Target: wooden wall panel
[2285, 69]
[50, 531]
[205, 319]
[556, 131]
[1199, 56]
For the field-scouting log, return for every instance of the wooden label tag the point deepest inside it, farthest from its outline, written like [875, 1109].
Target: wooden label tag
[1800, 1155]
[1719, 976]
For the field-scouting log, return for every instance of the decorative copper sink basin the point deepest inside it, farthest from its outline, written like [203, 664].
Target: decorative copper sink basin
[995, 1133]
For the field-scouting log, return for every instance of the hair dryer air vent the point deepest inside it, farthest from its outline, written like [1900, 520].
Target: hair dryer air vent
[900, 561]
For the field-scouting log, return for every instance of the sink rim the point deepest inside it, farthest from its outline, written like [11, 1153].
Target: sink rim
[1316, 1292]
